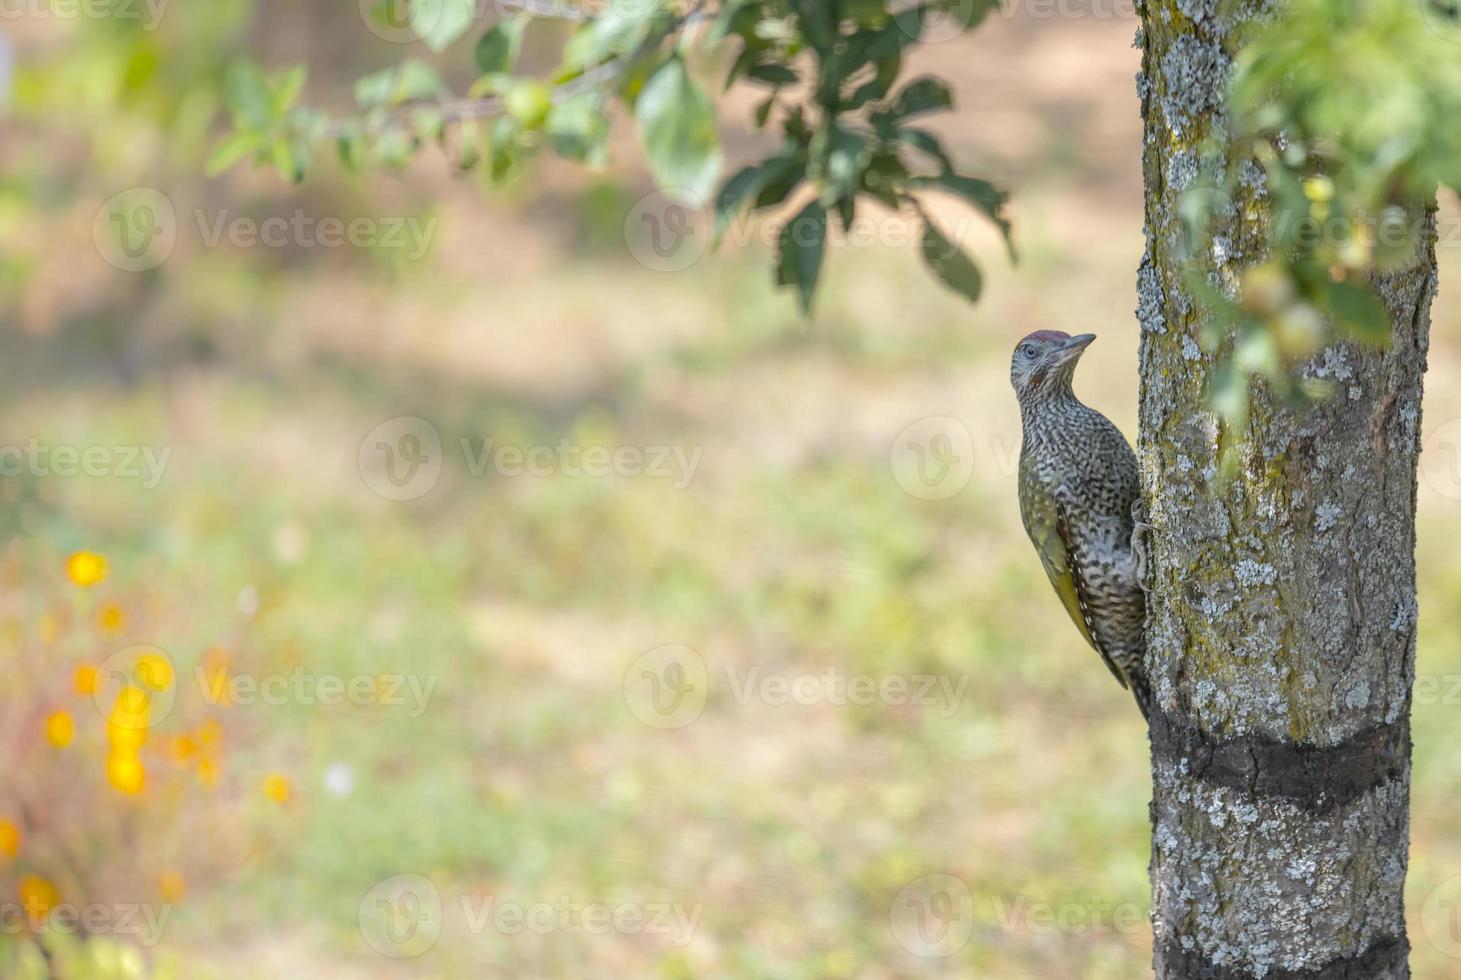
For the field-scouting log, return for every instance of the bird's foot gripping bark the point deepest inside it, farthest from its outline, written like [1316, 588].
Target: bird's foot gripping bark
[1138, 541]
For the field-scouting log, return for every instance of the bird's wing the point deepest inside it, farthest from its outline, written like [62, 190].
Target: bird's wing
[1045, 519]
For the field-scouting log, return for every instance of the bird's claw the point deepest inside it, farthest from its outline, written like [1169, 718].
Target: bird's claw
[1138, 542]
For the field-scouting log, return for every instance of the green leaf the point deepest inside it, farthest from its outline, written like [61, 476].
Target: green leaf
[440, 22]
[611, 34]
[247, 95]
[291, 159]
[287, 89]
[955, 269]
[924, 142]
[1358, 311]
[802, 242]
[429, 123]
[411, 80]
[503, 156]
[983, 195]
[351, 149]
[925, 94]
[498, 47]
[578, 127]
[738, 17]
[750, 183]
[677, 127]
[230, 150]
[773, 73]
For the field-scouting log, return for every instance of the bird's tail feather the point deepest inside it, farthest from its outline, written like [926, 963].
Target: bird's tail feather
[1142, 690]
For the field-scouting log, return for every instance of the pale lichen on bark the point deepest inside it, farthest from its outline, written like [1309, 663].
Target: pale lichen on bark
[1283, 601]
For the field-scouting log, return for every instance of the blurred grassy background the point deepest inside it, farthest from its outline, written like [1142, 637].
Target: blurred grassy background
[789, 830]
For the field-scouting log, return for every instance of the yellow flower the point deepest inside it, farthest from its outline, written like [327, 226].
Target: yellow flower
[127, 724]
[208, 773]
[85, 680]
[49, 629]
[38, 896]
[172, 885]
[125, 772]
[111, 617]
[9, 838]
[86, 568]
[154, 671]
[210, 733]
[60, 729]
[276, 788]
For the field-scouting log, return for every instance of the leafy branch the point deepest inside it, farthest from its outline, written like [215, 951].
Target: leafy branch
[1344, 110]
[831, 71]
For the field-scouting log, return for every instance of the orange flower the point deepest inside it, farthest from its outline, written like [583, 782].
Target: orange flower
[277, 788]
[84, 680]
[182, 749]
[208, 772]
[9, 838]
[86, 568]
[125, 772]
[60, 729]
[172, 885]
[38, 896]
[111, 617]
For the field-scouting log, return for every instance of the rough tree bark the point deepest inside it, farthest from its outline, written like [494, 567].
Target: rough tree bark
[1281, 622]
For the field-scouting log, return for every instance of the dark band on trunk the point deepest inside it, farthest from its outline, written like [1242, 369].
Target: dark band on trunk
[1316, 778]
[1386, 957]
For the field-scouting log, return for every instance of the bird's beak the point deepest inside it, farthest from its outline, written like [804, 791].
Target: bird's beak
[1072, 348]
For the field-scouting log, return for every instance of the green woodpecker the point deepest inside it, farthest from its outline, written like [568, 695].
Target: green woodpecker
[1079, 494]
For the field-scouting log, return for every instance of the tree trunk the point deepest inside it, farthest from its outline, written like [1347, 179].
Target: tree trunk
[1281, 621]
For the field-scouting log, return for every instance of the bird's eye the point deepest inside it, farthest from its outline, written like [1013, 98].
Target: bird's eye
[1027, 350]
